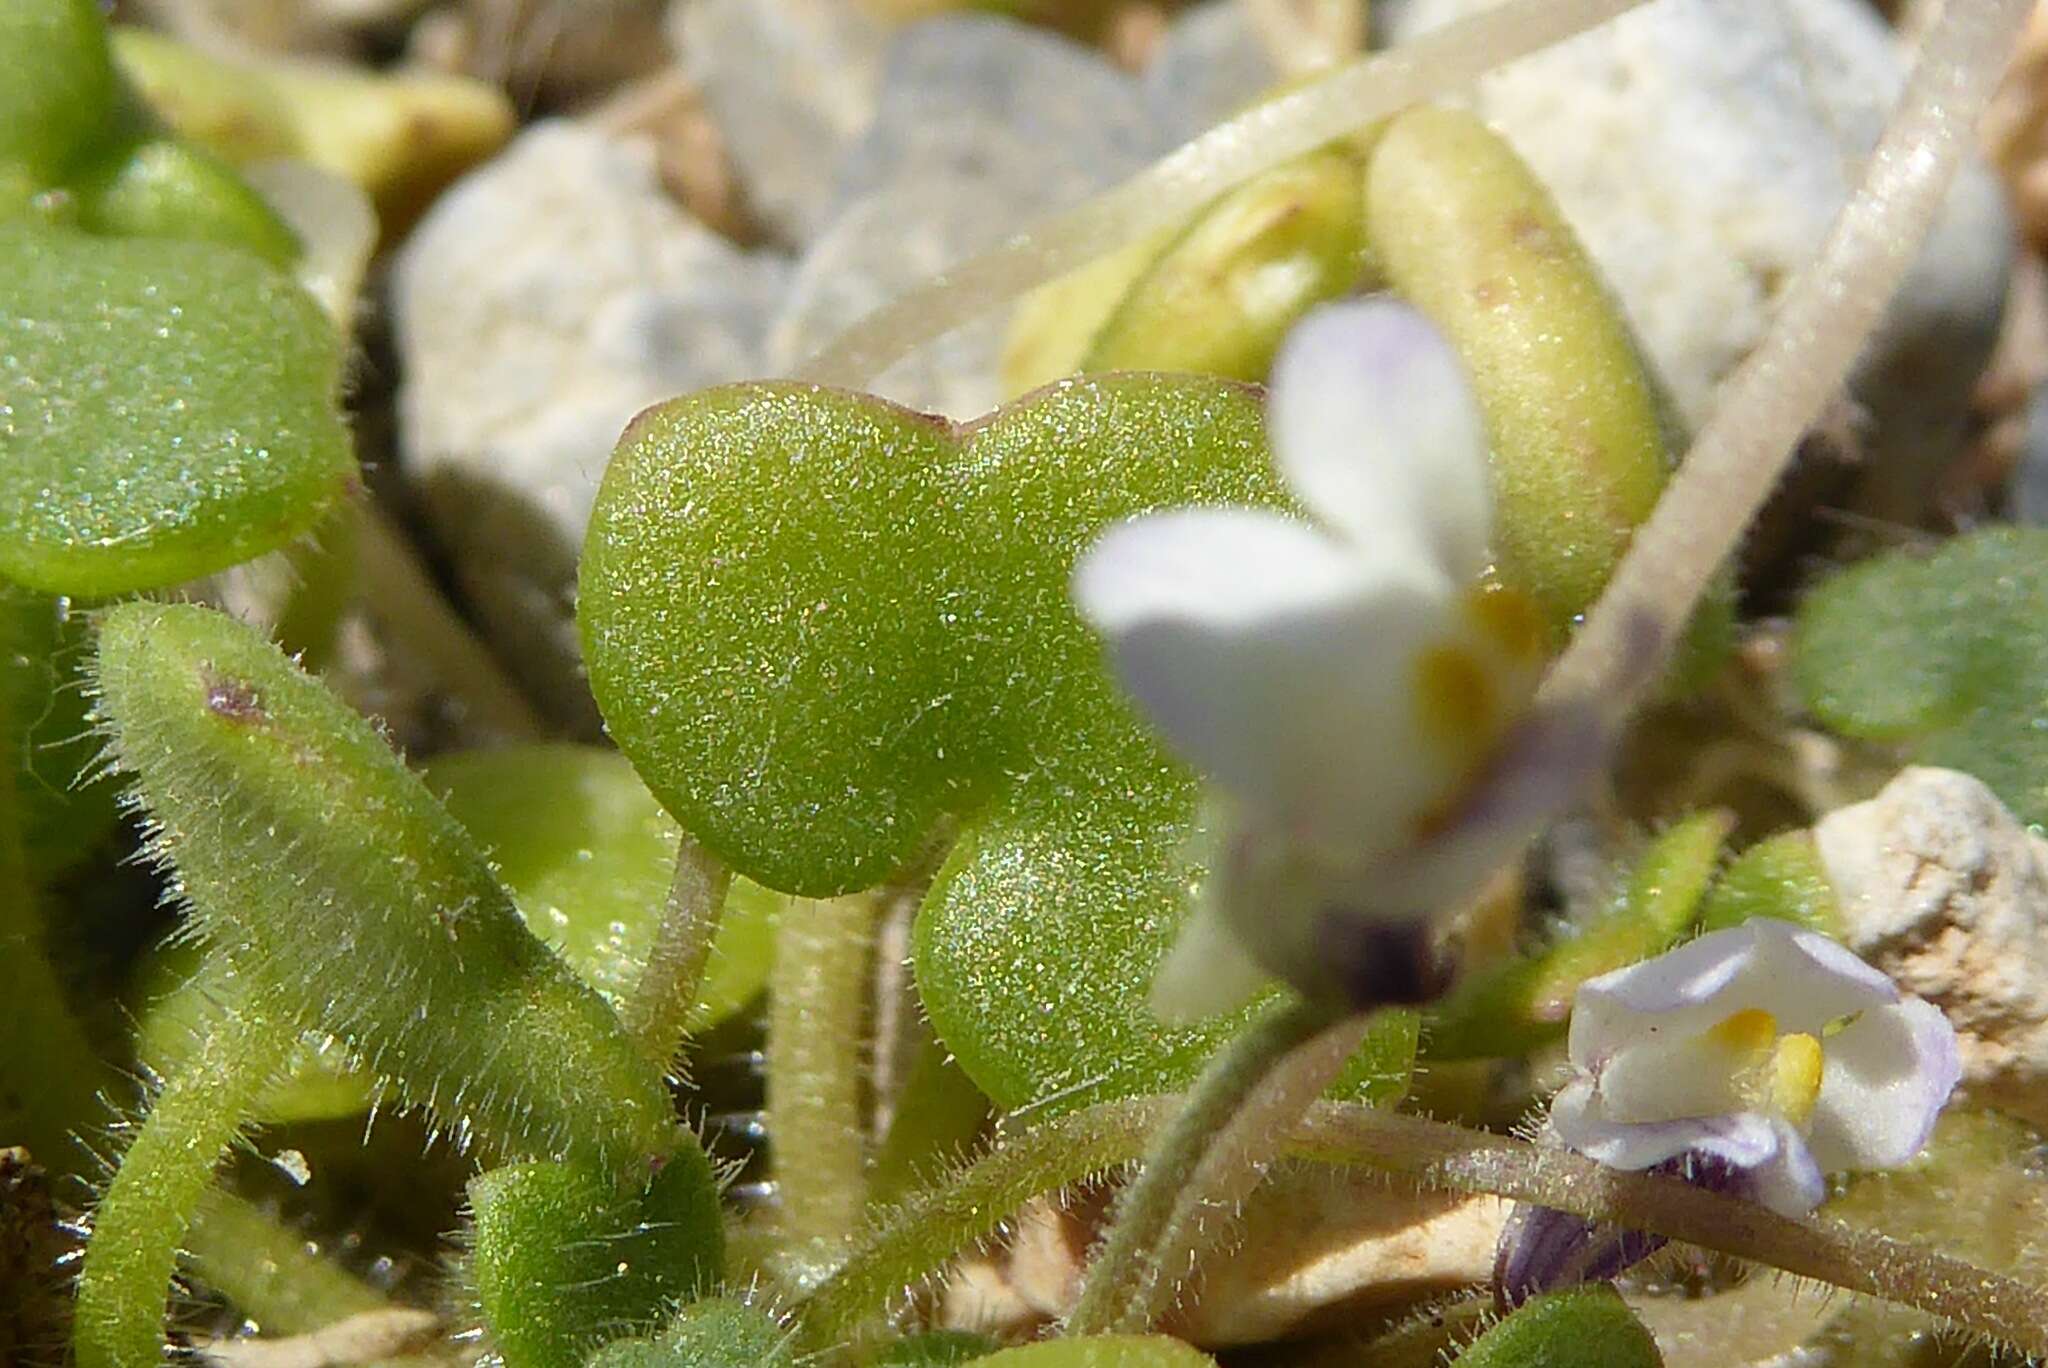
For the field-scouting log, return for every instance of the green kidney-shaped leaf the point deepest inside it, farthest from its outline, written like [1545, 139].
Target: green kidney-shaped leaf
[818, 623]
[1947, 654]
[1039, 939]
[587, 855]
[166, 409]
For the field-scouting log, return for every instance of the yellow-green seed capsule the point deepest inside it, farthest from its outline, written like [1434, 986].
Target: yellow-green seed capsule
[400, 138]
[1055, 324]
[1466, 233]
[1222, 294]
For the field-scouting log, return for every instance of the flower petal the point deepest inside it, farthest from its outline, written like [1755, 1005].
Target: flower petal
[1206, 972]
[1278, 662]
[1374, 425]
[1745, 1139]
[1790, 1182]
[1888, 1075]
[1803, 980]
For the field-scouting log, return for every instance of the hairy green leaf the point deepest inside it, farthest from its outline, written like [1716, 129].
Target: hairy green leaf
[587, 854]
[348, 901]
[1585, 1328]
[1945, 654]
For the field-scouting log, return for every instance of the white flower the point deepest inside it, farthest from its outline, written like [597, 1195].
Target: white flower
[1349, 684]
[1767, 1047]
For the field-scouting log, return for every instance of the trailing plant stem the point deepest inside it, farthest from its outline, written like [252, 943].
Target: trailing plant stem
[142, 1220]
[1799, 366]
[1206, 1160]
[673, 977]
[1441, 1156]
[817, 1010]
[936, 1225]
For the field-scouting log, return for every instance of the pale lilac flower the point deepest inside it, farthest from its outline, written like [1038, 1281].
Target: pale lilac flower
[1766, 1045]
[1755, 1061]
[1356, 693]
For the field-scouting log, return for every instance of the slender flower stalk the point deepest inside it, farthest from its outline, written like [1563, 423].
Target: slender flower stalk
[1205, 1161]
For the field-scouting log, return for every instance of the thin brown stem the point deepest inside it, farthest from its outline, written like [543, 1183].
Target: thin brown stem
[1437, 1155]
[918, 1239]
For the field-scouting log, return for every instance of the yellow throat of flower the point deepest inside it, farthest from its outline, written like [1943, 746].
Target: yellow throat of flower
[1778, 1073]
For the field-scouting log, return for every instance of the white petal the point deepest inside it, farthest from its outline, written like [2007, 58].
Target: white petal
[1206, 973]
[1279, 663]
[1888, 1075]
[1790, 1182]
[1374, 424]
[1579, 1117]
[1803, 980]
[1541, 763]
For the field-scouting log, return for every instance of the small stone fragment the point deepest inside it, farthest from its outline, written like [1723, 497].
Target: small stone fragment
[547, 299]
[1209, 66]
[793, 85]
[984, 127]
[1944, 890]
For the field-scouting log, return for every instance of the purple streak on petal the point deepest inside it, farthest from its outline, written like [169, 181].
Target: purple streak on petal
[1542, 1249]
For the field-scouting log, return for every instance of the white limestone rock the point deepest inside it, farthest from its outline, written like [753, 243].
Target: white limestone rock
[1701, 149]
[548, 298]
[985, 125]
[1211, 64]
[1947, 892]
[793, 85]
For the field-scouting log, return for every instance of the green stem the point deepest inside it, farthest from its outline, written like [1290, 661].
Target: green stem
[1207, 1160]
[398, 590]
[268, 1272]
[916, 1239]
[164, 1176]
[817, 1008]
[673, 977]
